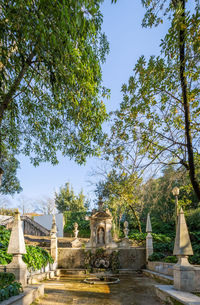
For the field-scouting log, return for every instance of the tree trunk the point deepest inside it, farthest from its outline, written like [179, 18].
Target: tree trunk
[136, 217]
[8, 97]
[190, 151]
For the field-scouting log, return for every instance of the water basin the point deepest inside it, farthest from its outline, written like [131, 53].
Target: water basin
[102, 280]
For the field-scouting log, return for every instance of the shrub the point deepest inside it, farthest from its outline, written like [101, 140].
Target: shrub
[8, 287]
[36, 257]
[157, 256]
[192, 218]
[6, 279]
[13, 289]
[170, 259]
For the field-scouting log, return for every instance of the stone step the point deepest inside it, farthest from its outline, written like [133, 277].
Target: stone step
[159, 276]
[171, 296]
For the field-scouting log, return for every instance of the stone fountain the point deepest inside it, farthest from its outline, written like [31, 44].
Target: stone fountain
[100, 228]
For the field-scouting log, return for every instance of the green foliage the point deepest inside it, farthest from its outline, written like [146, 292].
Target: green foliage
[158, 120]
[170, 259]
[11, 290]
[156, 256]
[140, 237]
[6, 279]
[66, 200]
[79, 218]
[114, 260]
[50, 82]
[192, 218]
[36, 257]
[6, 211]
[122, 196]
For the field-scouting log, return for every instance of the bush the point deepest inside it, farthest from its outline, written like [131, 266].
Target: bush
[36, 257]
[6, 279]
[8, 287]
[157, 256]
[192, 219]
[13, 289]
[170, 259]
[140, 237]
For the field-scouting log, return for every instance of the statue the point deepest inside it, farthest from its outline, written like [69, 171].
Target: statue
[126, 230]
[101, 236]
[76, 230]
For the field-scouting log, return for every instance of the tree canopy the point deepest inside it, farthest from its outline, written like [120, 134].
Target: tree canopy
[158, 120]
[50, 81]
[66, 200]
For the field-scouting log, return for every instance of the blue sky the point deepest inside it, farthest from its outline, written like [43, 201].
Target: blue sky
[128, 40]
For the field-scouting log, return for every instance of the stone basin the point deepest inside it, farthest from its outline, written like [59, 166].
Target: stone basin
[102, 280]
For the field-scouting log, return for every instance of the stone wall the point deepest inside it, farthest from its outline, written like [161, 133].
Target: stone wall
[133, 258]
[69, 258]
[73, 258]
[161, 267]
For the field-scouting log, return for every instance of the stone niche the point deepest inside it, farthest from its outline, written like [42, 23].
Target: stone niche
[100, 230]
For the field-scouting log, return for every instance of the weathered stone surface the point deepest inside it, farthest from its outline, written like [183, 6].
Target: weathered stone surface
[148, 225]
[72, 258]
[161, 267]
[16, 243]
[100, 229]
[182, 245]
[54, 243]
[149, 238]
[17, 248]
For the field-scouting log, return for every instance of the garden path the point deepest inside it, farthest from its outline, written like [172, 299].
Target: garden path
[70, 289]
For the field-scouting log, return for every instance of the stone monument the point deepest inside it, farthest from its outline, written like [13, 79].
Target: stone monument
[126, 229]
[17, 248]
[184, 273]
[100, 229]
[76, 230]
[54, 246]
[149, 239]
[76, 243]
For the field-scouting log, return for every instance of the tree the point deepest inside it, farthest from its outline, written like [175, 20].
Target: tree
[121, 193]
[66, 200]
[50, 80]
[160, 109]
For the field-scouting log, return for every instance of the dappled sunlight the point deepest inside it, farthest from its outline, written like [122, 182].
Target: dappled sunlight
[70, 289]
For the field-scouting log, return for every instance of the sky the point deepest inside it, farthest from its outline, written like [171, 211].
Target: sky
[128, 41]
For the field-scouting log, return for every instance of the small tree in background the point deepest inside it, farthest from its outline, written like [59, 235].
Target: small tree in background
[66, 200]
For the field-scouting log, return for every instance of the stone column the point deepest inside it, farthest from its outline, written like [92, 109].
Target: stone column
[149, 238]
[17, 248]
[54, 246]
[184, 274]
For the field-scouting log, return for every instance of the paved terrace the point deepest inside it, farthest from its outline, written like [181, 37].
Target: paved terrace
[133, 289]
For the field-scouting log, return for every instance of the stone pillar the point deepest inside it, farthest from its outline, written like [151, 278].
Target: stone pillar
[54, 246]
[184, 274]
[149, 238]
[17, 248]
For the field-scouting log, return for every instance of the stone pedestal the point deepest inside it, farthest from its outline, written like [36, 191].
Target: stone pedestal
[76, 243]
[149, 245]
[17, 248]
[149, 238]
[19, 269]
[184, 275]
[54, 244]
